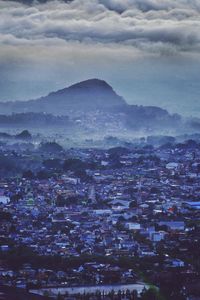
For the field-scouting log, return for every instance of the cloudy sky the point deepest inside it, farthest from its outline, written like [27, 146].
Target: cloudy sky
[148, 50]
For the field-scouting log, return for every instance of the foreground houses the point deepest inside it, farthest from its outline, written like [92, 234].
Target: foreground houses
[119, 222]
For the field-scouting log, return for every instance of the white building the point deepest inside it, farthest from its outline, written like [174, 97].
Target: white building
[4, 200]
[133, 226]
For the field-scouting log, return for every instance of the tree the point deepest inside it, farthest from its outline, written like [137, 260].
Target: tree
[52, 163]
[60, 297]
[151, 294]
[50, 147]
[46, 294]
[28, 174]
[24, 135]
[133, 204]
[42, 175]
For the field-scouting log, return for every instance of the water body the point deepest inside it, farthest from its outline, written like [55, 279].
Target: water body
[92, 289]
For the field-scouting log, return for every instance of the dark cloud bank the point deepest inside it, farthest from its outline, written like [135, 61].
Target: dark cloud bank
[50, 41]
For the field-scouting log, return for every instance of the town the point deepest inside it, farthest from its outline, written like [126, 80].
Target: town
[75, 222]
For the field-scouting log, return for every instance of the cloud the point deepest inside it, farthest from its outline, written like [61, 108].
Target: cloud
[142, 24]
[137, 45]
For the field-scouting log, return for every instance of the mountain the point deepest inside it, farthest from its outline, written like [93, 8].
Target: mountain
[92, 107]
[86, 95]
[24, 135]
[92, 94]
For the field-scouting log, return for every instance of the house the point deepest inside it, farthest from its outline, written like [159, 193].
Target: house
[173, 225]
[157, 236]
[4, 200]
[175, 263]
[172, 166]
[133, 226]
[192, 205]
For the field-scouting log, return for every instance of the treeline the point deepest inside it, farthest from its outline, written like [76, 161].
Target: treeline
[142, 117]
[35, 119]
[51, 167]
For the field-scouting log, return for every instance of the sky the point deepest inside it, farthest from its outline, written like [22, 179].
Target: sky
[148, 50]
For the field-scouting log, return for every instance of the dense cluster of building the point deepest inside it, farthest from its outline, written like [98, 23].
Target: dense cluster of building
[134, 217]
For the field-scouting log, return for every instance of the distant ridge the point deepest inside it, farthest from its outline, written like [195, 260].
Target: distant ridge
[86, 85]
[94, 105]
[91, 94]
[91, 83]
[87, 94]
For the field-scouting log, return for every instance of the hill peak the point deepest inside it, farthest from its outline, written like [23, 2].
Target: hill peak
[88, 94]
[91, 83]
